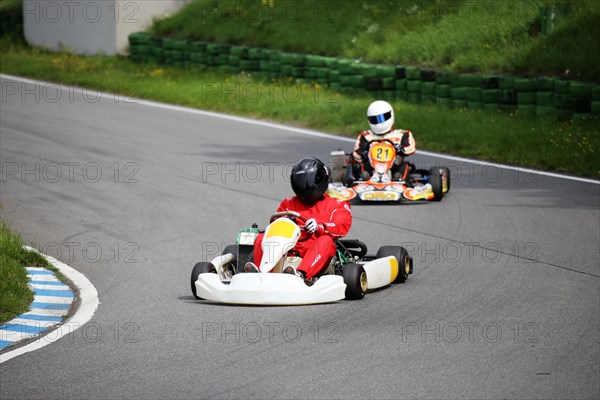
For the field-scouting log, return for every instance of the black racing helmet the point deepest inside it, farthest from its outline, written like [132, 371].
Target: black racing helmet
[309, 179]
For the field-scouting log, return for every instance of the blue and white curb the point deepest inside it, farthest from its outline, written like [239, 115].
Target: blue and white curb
[52, 301]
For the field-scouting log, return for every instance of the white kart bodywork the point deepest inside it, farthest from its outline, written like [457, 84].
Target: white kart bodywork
[266, 287]
[271, 287]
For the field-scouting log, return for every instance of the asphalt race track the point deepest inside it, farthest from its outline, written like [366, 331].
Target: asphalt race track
[504, 301]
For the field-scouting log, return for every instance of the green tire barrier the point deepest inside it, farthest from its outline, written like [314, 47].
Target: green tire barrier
[198, 47]
[428, 88]
[545, 97]
[526, 98]
[508, 97]
[466, 80]
[258, 54]
[546, 84]
[443, 78]
[490, 96]
[239, 51]
[563, 101]
[413, 86]
[428, 75]
[459, 93]
[474, 94]
[222, 59]
[490, 82]
[373, 84]
[400, 84]
[526, 85]
[388, 83]
[334, 76]
[443, 91]
[596, 93]
[506, 83]
[295, 60]
[580, 90]
[234, 61]
[562, 87]
[249, 65]
[412, 73]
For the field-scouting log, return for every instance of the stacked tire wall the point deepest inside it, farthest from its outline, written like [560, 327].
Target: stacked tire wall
[544, 97]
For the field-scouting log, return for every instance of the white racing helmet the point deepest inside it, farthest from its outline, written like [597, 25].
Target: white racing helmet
[381, 117]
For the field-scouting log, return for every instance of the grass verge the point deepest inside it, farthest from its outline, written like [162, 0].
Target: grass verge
[15, 295]
[483, 35]
[570, 147]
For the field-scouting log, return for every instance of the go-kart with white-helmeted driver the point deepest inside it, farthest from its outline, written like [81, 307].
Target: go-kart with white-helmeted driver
[382, 185]
[350, 274]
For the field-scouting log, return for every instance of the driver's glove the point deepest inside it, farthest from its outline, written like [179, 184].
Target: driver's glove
[312, 226]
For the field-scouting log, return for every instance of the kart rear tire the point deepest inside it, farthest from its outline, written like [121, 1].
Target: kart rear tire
[355, 279]
[405, 262]
[446, 170]
[435, 180]
[200, 268]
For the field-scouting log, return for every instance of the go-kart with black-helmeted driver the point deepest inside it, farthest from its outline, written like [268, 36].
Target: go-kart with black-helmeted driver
[349, 275]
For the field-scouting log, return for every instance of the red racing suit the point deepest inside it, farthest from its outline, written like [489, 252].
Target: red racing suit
[400, 138]
[334, 219]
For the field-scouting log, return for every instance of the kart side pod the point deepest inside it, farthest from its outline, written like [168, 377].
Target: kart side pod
[381, 272]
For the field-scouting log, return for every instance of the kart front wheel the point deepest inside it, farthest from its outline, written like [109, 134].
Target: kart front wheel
[435, 180]
[355, 279]
[404, 261]
[200, 268]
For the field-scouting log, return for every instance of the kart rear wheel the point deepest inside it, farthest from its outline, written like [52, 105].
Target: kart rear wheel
[405, 262]
[435, 180]
[200, 268]
[355, 279]
[445, 171]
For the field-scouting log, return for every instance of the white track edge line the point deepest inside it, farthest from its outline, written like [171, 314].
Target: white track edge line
[89, 303]
[303, 131]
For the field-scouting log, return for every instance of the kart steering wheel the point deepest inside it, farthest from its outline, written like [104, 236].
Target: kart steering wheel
[293, 215]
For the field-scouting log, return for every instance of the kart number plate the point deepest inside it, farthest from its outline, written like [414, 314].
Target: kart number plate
[383, 152]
